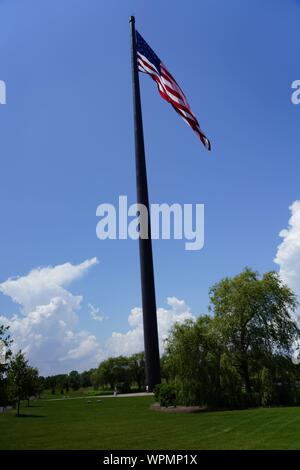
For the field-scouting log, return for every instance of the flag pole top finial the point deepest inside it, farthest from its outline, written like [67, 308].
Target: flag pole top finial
[131, 19]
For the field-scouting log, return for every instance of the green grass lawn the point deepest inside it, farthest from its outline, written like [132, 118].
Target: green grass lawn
[128, 423]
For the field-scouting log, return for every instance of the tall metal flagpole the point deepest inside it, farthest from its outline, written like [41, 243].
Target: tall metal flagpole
[145, 244]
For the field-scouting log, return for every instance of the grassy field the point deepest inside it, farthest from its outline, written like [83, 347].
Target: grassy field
[128, 423]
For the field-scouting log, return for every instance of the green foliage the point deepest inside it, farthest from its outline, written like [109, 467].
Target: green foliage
[241, 354]
[31, 383]
[165, 394]
[267, 387]
[23, 381]
[231, 386]
[85, 379]
[120, 373]
[64, 382]
[193, 361]
[18, 379]
[74, 380]
[253, 317]
[137, 370]
[114, 373]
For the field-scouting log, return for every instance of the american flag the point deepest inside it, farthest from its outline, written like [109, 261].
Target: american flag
[168, 88]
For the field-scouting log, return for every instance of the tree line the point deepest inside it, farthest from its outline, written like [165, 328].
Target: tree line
[122, 373]
[19, 381]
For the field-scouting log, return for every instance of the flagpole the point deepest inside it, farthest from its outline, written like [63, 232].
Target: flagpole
[152, 361]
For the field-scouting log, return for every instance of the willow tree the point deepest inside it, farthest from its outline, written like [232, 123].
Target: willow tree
[254, 316]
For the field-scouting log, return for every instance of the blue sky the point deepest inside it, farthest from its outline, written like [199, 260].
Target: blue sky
[67, 141]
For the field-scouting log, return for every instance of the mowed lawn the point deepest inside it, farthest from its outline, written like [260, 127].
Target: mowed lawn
[128, 423]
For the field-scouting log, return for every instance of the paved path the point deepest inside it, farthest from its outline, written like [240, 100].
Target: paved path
[120, 395]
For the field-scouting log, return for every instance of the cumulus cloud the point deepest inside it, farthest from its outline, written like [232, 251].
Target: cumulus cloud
[288, 252]
[42, 284]
[45, 326]
[132, 341]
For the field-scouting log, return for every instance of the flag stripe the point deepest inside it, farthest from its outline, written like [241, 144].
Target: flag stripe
[169, 90]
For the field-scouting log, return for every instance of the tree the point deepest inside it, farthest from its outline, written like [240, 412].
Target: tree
[95, 379]
[31, 383]
[62, 382]
[40, 386]
[267, 387]
[137, 369]
[231, 384]
[122, 373]
[193, 352]
[85, 379]
[105, 375]
[253, 316]
[241, 354]
[114, 372]
[17, 379]
[74, 380]
[164, 369]
[52, 384]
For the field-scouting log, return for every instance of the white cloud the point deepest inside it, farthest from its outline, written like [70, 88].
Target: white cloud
[288, 252]
[42, 284]
[47, 326]
[132, 341]
[87, 345]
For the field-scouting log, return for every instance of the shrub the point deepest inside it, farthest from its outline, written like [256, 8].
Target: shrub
[165, 394]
